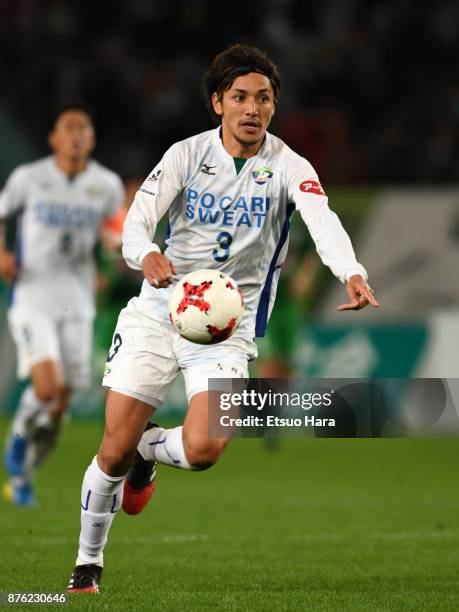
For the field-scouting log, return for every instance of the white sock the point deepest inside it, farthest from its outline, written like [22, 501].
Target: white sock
[101, 498]
[164, 446]
[30, 407]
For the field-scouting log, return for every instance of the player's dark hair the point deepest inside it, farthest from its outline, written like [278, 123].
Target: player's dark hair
[71, 105]
[234, 62]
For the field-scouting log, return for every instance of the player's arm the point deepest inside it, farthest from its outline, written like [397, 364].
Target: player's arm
[151, 202]
[331, 239]
[8, 261]
[11, 199]
[111, 229]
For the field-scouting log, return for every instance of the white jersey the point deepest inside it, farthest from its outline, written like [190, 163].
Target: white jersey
[58, 226]
[236, 223]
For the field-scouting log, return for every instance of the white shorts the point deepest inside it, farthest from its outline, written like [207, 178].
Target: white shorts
[39, 337]
[147, 354]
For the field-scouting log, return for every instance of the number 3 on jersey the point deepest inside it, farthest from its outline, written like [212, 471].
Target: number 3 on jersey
[222, 253]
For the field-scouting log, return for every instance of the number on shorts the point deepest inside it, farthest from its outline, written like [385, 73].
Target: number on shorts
[224, 240]
[117, 342]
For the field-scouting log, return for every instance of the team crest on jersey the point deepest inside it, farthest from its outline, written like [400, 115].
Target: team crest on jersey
[94, 191]
[263, 175]
[312, 187]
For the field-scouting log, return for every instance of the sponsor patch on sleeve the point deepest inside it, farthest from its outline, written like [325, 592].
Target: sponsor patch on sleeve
[312, 187]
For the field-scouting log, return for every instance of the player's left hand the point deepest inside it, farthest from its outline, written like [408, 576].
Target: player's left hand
[360, 294]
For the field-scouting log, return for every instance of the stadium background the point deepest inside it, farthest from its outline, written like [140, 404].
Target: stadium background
[369, 95]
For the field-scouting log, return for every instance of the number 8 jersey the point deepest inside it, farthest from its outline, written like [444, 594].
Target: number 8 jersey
[234, 222]
[58, 222]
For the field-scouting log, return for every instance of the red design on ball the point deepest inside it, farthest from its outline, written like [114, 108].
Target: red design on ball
[193, 296]
[221, 333]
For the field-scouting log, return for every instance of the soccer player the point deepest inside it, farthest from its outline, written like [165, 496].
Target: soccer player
[61, 202]
[229, 193]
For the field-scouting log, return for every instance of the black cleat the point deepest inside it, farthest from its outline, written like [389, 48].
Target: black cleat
[85, 579]
[140, 482]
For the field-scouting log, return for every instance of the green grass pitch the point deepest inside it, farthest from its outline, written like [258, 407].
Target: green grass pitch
[352, 525]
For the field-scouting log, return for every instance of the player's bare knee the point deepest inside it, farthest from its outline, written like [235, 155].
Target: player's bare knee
[204, 455]
[46, 391]
[114, 465]
[115, 460]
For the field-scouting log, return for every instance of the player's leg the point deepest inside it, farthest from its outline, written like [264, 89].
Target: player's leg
[55, 382]
[190, 446]
[187, 447]
[49, 386]
[35, 428]
[202, 450]
[139, 371]
[38, 354]
[102, 489]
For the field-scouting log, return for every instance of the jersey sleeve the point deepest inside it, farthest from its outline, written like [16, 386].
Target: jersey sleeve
[13, 195]
[331, 239]
[151, 202]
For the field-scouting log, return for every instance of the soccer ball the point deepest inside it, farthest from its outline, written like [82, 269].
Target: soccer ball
[206, 306]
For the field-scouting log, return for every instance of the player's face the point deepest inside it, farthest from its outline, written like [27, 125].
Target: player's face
[246, 109]
[73, 135]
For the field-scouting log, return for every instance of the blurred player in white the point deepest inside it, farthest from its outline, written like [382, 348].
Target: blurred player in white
[229, 193]
[61, 202]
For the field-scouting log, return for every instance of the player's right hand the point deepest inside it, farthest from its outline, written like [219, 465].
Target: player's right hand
[8, 266]
[158, 270]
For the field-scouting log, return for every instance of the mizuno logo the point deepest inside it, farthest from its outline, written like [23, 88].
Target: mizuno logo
[205, 169]
[154, 176]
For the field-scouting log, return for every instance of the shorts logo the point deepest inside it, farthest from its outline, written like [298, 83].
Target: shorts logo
[262, 176]
[234, 370]
[312, 187]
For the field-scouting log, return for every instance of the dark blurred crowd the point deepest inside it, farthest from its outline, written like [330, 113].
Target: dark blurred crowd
[369, 93]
